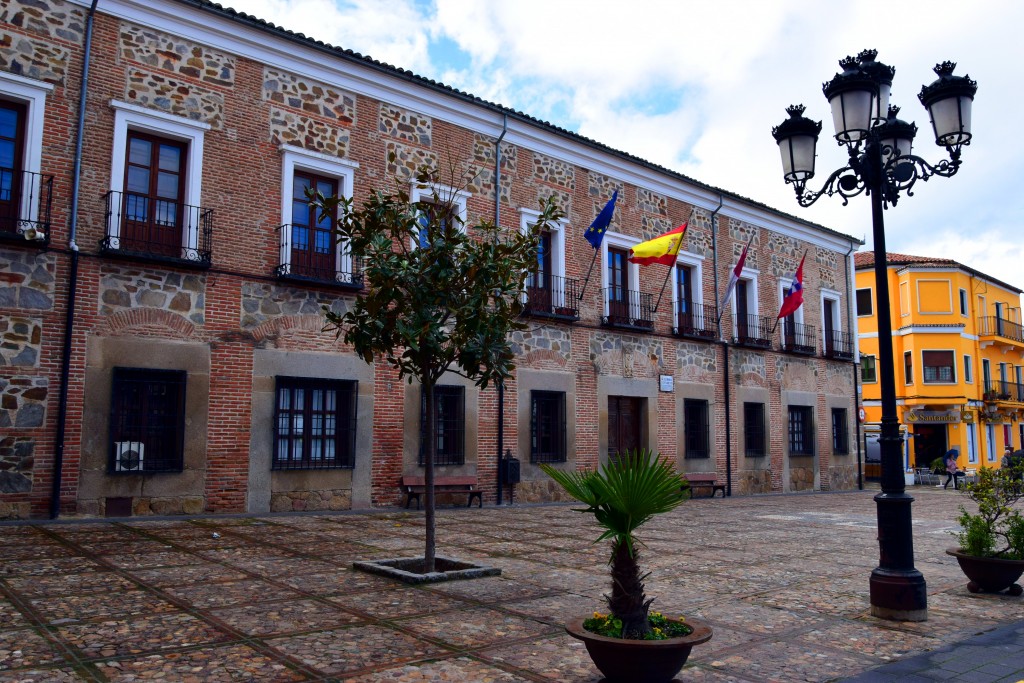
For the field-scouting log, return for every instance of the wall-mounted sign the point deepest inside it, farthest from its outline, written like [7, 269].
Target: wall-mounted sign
[921, 416]
[667, 382]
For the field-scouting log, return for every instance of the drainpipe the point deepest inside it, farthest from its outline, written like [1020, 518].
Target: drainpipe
[725, 354]
[69, 315]
[856, 381]
[497, 224]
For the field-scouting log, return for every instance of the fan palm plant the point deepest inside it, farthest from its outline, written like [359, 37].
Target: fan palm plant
[623, 495]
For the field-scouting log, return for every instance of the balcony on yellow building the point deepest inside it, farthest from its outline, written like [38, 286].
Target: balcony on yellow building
[1004, 334]
[998, 391]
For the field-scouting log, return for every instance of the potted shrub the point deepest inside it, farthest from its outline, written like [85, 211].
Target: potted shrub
[991, 550]
[631, 643]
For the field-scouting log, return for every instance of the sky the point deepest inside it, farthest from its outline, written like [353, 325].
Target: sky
[697, 86]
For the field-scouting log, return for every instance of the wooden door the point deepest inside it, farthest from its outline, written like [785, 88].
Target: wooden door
[625, 417]
[12, 133]
[154, 190]
[314, 251]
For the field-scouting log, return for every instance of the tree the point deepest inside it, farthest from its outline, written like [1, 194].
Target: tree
[436, 297]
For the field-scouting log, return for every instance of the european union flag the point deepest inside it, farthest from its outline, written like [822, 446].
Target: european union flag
[595, 233]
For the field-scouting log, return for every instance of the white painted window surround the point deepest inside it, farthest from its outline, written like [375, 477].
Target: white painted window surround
[32, 94]
[131, 117]
[695, 262]
[296, 158]
[445, 194]
[619, 241]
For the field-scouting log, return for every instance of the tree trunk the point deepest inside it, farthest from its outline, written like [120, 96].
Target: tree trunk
[627, 601]
[429, 507]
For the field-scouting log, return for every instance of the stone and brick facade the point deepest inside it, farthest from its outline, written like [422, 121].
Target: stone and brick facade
[224, 335]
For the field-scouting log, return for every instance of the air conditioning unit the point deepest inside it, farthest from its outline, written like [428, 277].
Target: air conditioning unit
[128, 456]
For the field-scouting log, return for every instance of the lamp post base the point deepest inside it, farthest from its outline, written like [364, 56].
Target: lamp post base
[898, 595]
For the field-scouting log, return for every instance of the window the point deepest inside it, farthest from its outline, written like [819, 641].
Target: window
[691, 315]
[868, 374]
[547, 288]
[696, 429]
[864, 302]
[753, 430]
[801, 430]
[309, 249]
[908, 367]
[156, 169]
[618, 283]
[147, 420]
[437, 199]
[938, 367]
[968, 370]
[986, 373]
[547, 426]
[449, 425]
[684, 291]
[24, 193]
[840, 432]
[963, 302]
[990, 446]
[314, 423]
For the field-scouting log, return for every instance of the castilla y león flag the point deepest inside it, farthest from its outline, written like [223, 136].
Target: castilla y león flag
[661, 249]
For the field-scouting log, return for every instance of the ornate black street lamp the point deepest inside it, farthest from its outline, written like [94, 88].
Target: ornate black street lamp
[882, 166]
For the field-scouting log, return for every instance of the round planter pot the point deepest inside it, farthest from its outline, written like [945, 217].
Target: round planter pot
[989, 574]
[639, 661]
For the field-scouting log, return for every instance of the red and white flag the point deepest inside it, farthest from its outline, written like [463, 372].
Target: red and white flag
[795, 298]
[734, 277]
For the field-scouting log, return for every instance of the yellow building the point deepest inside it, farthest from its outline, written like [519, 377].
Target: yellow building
[958, 347]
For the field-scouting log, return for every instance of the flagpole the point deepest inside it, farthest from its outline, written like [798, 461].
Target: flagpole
[589, 271]
[664, 284]
[728, 292]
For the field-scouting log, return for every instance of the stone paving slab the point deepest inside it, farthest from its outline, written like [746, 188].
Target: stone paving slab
[783, 580]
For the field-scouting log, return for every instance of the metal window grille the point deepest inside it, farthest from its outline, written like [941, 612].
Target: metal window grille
[449, 425]
[314, 424]
[696, 430]
[753, 430]
[840, 432]
[147, 420]
[547, 426]
[801, 432]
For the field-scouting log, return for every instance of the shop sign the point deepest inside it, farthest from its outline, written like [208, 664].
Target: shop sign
[922, 416]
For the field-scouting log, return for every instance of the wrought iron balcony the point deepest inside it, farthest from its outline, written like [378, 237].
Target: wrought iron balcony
[798, 338]
[754, 330]
[698, 321]
[328, 265]
[629, 309]
[155, 229]
[25, 202]
[998, 390]
[552, 296]
[993, 330]
[839, 345]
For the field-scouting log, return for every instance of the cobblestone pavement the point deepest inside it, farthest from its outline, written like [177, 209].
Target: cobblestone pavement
[783, 580]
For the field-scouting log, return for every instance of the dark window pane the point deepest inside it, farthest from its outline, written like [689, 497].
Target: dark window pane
[315, 423]
[147, 420]
[753, 430]
[801, 430]
[170, 159]
[696, 429]
[138, 180]
[840, 432]
[449, 425]
[547, 426]
[864, 302]
[139, 151]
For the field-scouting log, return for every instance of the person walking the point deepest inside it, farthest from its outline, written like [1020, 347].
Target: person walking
[952, 470]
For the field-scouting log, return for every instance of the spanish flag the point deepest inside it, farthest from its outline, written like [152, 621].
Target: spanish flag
[661, 249]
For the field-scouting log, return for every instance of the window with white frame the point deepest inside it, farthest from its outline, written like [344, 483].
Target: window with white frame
[156, 185]
[547, 289]
[747, 323]
[24, 191]
[832, 325]
[689, 313]
[937, 367]
[623, 300]
[968, 370]
[792, 326]
[309, 247]
[441, 204]
[963, 302]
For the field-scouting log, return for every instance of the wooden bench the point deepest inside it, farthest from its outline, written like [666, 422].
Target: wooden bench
[414, 486]
[708, 480]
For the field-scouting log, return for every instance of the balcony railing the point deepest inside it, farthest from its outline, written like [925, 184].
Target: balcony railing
[754, 330]
[699, 321]
[552, 296]
[325, 266]
[998, 390]
[26, 199]
[839, 345]
[991, 326]
[798, 338]
[628, 308]
[157, 229]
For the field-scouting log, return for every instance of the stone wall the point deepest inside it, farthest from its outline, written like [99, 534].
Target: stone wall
[27, 279]
[16, 459]
[23, 402]
[293, 501]
[174, 96]
[176, 55]
[263, 302]
[126, 288]
[626, 355]
[20, 341]
[405, 125]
